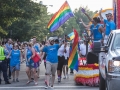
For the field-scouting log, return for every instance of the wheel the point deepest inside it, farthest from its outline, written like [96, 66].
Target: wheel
[102, 84]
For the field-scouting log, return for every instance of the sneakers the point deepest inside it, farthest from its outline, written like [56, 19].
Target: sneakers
[67, 76]
[7, 82]
[17, 80]
[46, 87]
[13, 80]
[59, 79]
[52, 87]
[64, 77]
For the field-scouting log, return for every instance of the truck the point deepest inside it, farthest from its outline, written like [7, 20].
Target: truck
[109, 62]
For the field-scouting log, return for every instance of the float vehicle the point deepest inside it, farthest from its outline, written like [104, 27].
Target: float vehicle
[109, 55]
[109, 62]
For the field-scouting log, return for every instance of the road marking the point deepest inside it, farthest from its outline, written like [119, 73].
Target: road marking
[54, 86]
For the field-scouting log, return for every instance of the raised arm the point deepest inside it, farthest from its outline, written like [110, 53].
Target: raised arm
[88, 17]
[101, 18]
[86, 26]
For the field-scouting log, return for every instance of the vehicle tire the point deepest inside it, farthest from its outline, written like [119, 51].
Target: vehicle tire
[102, 84]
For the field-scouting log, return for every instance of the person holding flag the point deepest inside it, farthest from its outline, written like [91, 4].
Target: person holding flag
[51, 61]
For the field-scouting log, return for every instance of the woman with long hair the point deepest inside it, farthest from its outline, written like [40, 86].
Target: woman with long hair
[30, 65]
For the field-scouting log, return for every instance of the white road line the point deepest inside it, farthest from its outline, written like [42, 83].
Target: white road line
[54, 86]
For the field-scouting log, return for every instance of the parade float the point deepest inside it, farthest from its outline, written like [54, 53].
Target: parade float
[88, 73]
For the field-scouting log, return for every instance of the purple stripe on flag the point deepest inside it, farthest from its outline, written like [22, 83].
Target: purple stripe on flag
[61, 21]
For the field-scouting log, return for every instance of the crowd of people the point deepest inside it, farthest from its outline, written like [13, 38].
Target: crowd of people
[54, 52]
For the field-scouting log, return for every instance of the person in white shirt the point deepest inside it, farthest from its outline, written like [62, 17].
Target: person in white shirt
[83, 49]
[61, 60]
[65, 66]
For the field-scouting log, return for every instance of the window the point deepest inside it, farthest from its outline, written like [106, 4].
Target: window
[116, 42]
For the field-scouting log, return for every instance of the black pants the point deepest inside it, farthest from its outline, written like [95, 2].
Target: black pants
[8, 66]
[61, 60]
[3, 68]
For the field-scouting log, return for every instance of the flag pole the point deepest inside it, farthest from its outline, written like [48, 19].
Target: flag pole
[87, 41]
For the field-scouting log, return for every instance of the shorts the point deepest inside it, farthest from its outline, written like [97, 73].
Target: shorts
[66, 61]
[30, 64]
[15, 68]
[36, 65]
[51, 68]
[61, 60]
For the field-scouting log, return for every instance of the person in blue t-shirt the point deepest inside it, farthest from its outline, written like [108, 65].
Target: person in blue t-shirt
[37, 49]
[15, 62]
[9, 47]
[109, 25]
[51, 60]
[96, 29]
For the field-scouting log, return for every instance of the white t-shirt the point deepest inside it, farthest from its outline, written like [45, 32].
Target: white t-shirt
[83, 49]
[61, 51]
[66, 55]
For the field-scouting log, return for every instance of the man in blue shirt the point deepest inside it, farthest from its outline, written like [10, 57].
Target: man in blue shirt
[9, 47]
[109, 24]
[51, 60]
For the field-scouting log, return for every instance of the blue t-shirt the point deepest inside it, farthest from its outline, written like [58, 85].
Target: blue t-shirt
[110, 25]
[9, 47]
[15, 57]
[36, 47]
[95, 30]
[29, 54]
[51, 52]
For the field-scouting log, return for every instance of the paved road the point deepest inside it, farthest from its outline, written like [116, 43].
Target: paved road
[67, 84]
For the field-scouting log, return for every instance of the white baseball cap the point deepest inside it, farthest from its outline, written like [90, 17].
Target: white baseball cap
[51, 39]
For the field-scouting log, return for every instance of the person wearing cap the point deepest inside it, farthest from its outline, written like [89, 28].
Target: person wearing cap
[109, 25]
[51, 61]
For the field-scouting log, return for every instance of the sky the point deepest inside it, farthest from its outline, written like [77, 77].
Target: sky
[93, 5]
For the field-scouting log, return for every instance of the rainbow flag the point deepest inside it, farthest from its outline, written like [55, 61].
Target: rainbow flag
[60, 17]
[73, 59]
[70, 36]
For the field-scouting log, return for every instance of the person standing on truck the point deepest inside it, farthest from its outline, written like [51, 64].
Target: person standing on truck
[109, 25]
[96, 27]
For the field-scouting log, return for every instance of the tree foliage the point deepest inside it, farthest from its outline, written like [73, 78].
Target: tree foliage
[22, 19]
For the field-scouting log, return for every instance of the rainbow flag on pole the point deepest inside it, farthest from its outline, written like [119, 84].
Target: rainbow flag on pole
[60, 17]
[73, 59]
